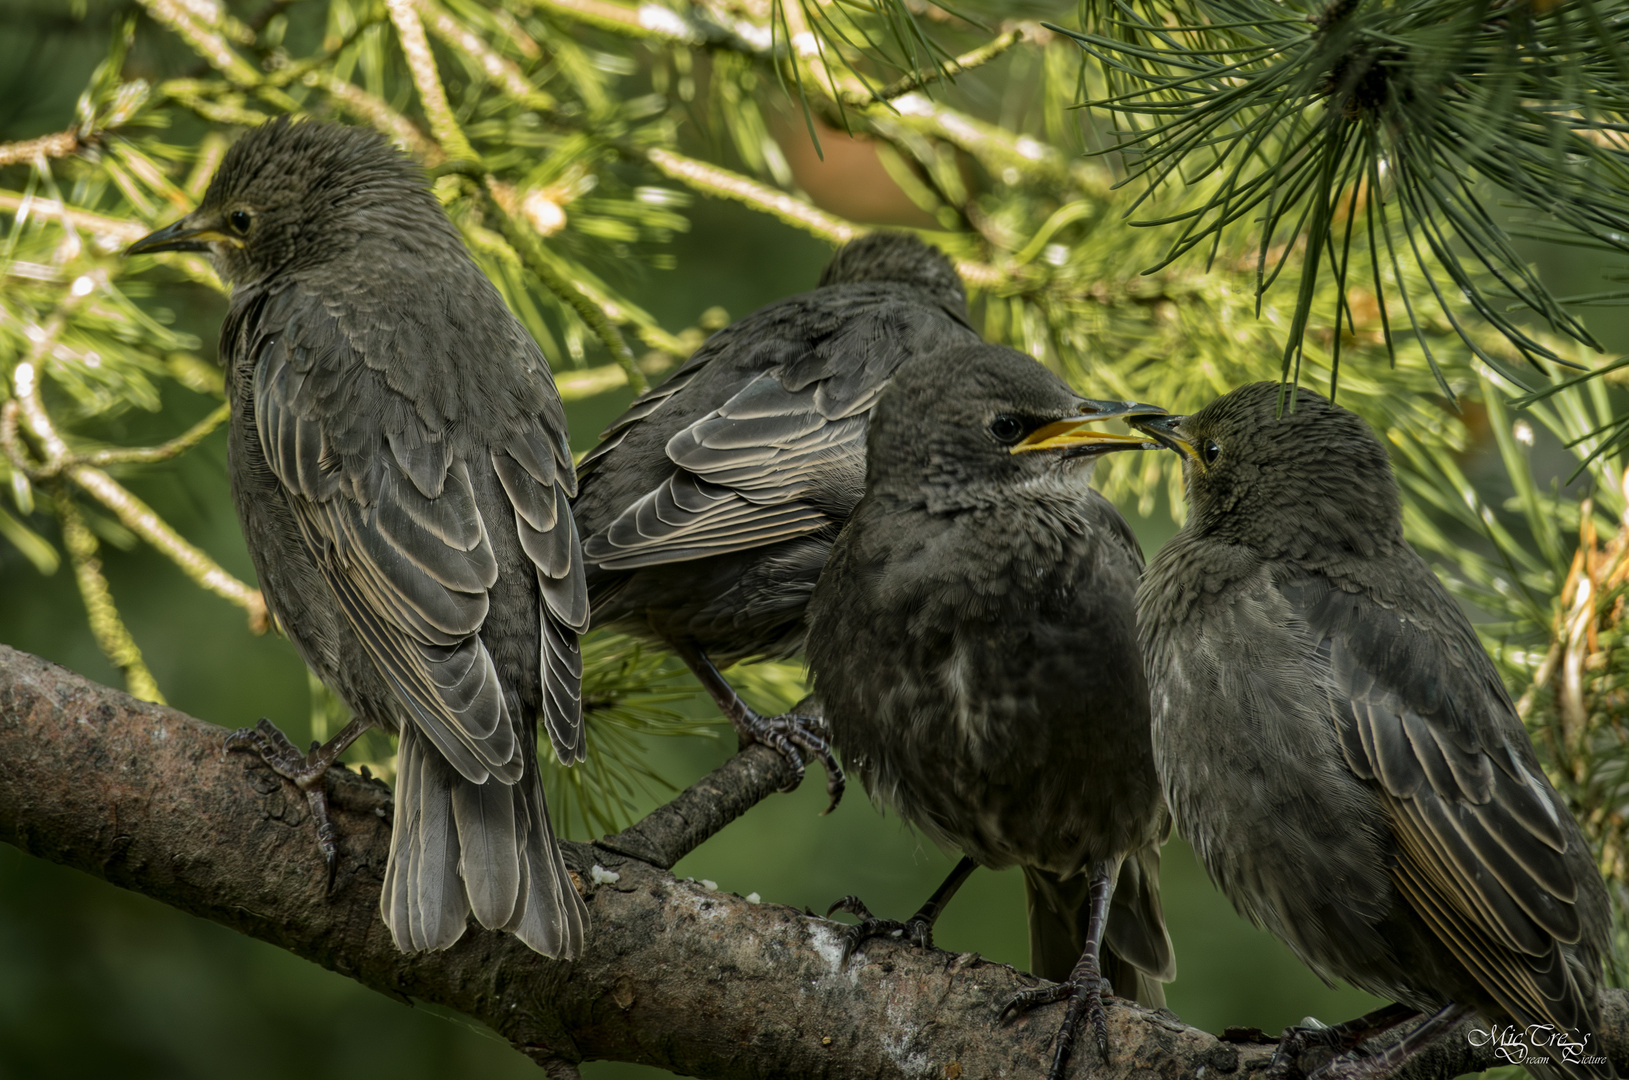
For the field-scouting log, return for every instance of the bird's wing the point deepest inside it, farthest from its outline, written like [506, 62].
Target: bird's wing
[644, 405]
[535, 472]
[754, 470]
[1482, 841]
[389, 513]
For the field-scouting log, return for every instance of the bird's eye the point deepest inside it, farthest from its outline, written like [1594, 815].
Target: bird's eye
[240, 220]
[1212, 452]
[1006, 428]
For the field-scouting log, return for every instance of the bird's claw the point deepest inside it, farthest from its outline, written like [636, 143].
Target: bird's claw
[792, 735]
[1326, 1051]
[328, 844]
[1085, 992]
[305, 771]
[913, 931]
[271, 746]
[1286, 1060]
[1025, 1000]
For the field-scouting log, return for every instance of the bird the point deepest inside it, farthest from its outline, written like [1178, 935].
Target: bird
[708, 508]
[973, 641]
[1336, 745]
[399, 463]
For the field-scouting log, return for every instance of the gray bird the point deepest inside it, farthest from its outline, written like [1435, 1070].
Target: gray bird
[400, 467]
[709, 507]
[974, 643]
[1341, 753]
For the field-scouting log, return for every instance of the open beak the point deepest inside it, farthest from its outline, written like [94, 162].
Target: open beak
[1162, 428]
[1074, 438]
[191, 233]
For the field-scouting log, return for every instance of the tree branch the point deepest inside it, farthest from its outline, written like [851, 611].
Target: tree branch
[674, 975]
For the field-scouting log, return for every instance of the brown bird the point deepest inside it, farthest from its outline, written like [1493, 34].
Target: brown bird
[973, 638]
[400, 467]
[709, 507]
[1336, 745]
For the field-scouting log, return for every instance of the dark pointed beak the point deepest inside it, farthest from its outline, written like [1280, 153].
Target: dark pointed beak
[1108, 410]
[1163, 429]
[188, 234]
[1073, 437]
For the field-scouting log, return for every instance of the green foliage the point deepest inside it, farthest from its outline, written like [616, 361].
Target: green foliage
[628, 691]
[1289, 122]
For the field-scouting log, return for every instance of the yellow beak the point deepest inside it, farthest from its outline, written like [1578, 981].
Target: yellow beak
[1071, 435]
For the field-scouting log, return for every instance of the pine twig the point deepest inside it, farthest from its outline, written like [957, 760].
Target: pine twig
[924, 77]
[62, 144]
[432, 95]
[504, 73]
[102, 614]
[531, 249]
[137, 516]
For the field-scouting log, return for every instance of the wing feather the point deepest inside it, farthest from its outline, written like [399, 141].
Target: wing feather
[786, 444]
[562, 685]
[398, 536]
[424, 458]
[548, 535]
[1482, 857]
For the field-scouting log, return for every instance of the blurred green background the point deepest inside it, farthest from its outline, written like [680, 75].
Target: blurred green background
[95, 981]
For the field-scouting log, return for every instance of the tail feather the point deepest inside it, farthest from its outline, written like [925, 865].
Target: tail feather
[459, 847]
[1136, 919]
[490, 834]
[553, 917]
[423, 901]
[1137, 955]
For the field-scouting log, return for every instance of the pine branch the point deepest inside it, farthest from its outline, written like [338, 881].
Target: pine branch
[131, 511]
[1285, 125]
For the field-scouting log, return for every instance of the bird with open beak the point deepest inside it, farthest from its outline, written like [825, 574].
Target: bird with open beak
[1340, 752]
[973, 640]
[400, 467]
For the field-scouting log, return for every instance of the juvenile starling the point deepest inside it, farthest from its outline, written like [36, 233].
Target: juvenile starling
[400, 467]
[1339, 750]
[709, 507]
[973, 640]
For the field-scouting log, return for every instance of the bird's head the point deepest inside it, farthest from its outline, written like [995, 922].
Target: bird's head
[290, 195]
[902, 258]
[955, 427]
[1314, 479]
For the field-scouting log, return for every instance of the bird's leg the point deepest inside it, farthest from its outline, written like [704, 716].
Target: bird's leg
[1340, 1038]
[918, 929]
[1384, 1062]
[790, 734]
[1086, 986]
[305, 771]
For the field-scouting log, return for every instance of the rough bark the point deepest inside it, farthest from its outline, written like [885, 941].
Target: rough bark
[674, 975]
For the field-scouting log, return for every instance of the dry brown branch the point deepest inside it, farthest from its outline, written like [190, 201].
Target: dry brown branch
[674, 975]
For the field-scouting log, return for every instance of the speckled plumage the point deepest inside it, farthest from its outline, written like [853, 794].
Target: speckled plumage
[973, 641]
[1335, 743]
[400, 466]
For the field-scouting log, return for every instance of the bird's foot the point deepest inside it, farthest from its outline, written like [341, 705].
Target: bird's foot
[1311, 1048]
[1356, 1064]
[1085, 990]
[916, 930]
[1294, 1044]
[304, 770]
[793, 735]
